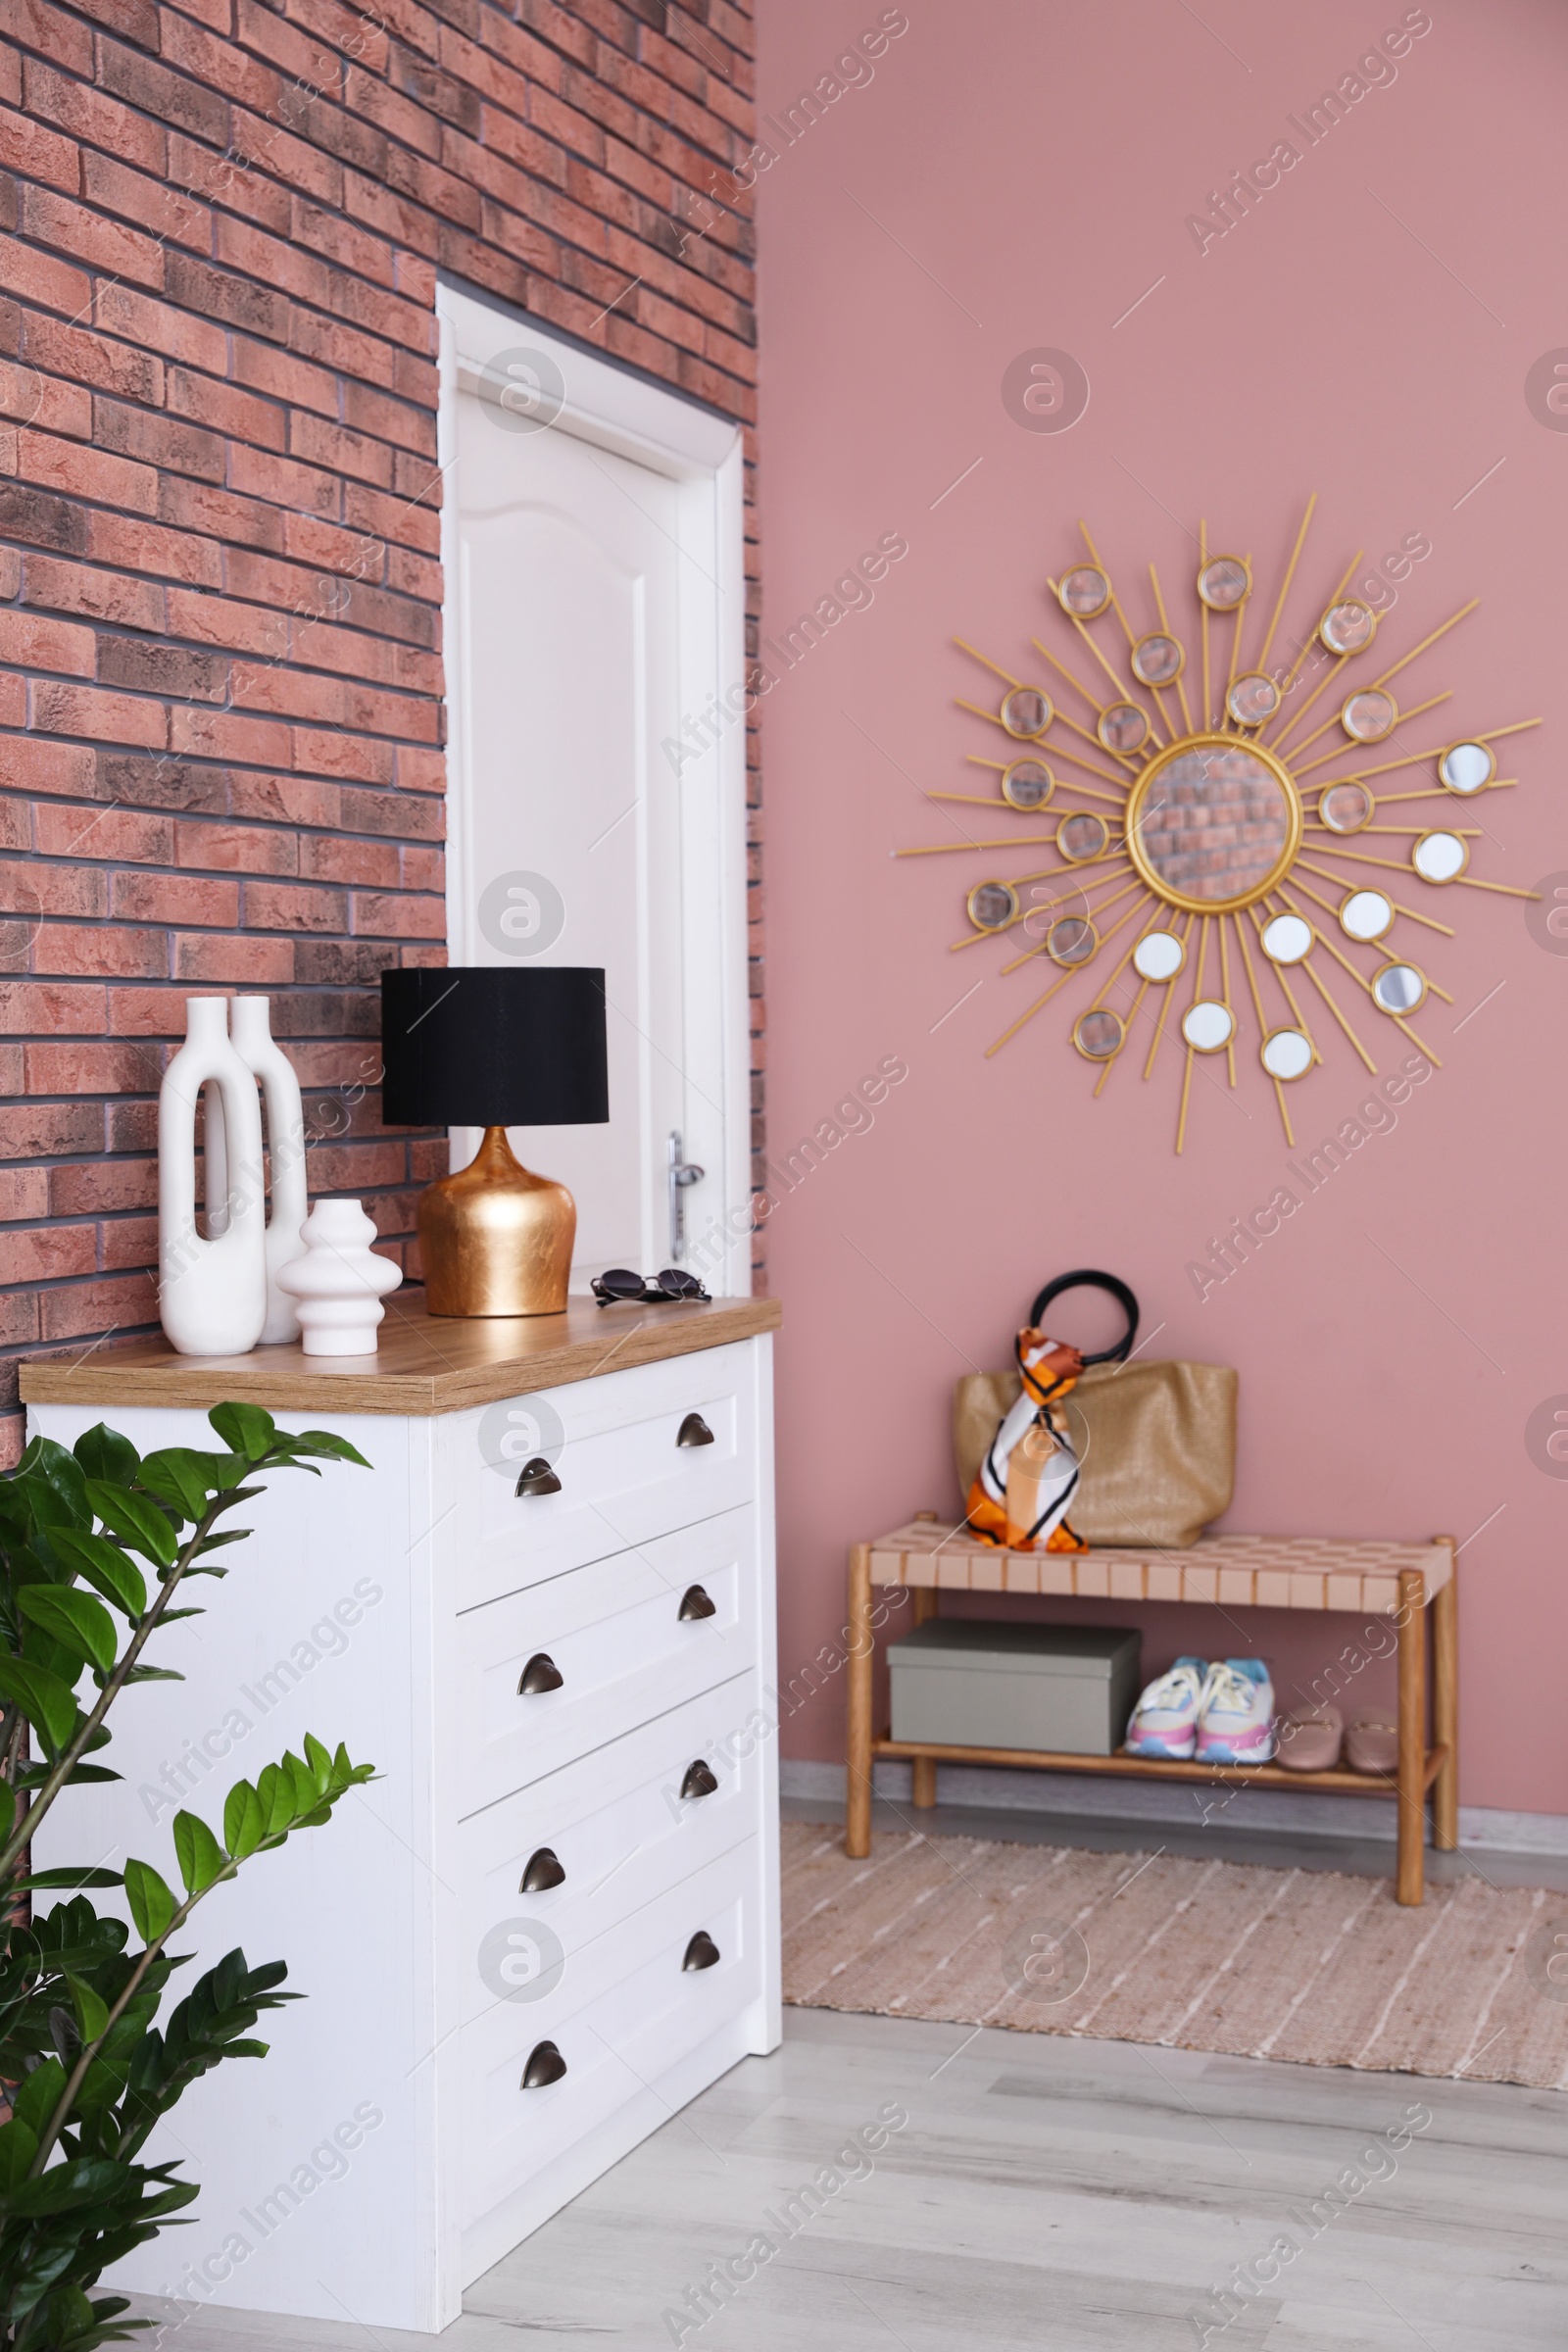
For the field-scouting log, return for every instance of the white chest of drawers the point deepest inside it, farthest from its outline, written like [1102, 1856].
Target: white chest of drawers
[569, 1860]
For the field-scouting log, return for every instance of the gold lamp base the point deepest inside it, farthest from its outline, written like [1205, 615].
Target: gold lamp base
[495, 1239]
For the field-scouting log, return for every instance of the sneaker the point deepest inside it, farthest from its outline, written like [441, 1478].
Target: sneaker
[1164, 1722]
[1236, 1713]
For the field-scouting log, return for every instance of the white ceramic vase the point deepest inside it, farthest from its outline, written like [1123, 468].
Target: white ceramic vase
[211, 1294]
[339, 1282]
[251, 1034]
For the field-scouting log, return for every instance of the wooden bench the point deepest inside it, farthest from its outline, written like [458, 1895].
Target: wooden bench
[1401, 1581]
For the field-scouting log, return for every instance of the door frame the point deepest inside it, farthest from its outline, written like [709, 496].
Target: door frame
[636, 419]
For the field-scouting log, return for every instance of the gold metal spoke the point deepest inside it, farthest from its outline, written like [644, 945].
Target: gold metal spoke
[1285, 584]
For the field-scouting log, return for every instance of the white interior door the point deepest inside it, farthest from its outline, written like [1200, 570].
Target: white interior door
[586, 620]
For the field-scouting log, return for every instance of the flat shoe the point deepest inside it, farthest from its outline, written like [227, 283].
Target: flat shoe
[1372, 1745]
[1311, 1739]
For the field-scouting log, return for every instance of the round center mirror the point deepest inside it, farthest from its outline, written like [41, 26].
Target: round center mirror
[1349, 627]
[1345, 807]
[1213, 823]
[1084, 592]
[1028, 784]
[1223, 582]
[1439, 857]
[1026, 711]
[1158, 956]
[1158, 660]
[1466, 766]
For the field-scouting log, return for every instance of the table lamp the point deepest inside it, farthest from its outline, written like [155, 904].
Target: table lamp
[464, 1046]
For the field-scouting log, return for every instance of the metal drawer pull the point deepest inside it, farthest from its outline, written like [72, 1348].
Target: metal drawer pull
[545, 2064]
[701, 1951]
[544, 1869]
[694, 1602]
[699, 1781]
[540, 1674]
[694, 1431]
[537, 1478]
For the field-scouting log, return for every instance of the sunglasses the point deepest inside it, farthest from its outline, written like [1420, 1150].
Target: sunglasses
[616, 1287]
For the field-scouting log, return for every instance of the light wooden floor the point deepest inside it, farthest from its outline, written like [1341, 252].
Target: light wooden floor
[1072, 2196]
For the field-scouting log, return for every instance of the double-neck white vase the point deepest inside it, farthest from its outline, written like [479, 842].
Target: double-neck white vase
[340, 1281]
[211, 1294]
[250, 1031]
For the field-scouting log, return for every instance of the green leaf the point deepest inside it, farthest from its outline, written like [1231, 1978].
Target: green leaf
[75, 1618]
[92, 2010]
[302, 1782]
[153, 1674]
[48, 1704]
[105, 1566]
[321, 1441]
[19, 2145]
[199, 1856]
[186, 1479]
[245, 1428]
[64, 2186]
[151, 1900]
[36, 2099]
[136, 1519]
[105, 1453]
[243, 1825]
[65, 1877]
[320, 1760]
[276, 1796]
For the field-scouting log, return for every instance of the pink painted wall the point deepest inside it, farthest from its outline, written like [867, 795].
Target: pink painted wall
[1014, 177]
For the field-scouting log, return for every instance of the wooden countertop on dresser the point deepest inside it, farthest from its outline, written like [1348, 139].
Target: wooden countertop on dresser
[425, 1363]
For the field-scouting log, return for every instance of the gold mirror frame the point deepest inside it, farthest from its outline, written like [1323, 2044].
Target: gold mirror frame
[1295, 824]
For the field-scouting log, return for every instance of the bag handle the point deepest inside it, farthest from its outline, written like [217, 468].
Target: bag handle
[1118, 1291]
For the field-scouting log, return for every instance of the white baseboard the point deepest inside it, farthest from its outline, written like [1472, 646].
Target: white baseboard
[1306, 1814]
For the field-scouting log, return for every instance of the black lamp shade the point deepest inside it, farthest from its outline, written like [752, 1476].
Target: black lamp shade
[466, 1046]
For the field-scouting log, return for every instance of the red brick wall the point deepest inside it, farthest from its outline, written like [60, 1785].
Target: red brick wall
[220, 720]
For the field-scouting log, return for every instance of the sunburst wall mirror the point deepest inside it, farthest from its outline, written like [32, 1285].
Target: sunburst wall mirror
[1227, 877]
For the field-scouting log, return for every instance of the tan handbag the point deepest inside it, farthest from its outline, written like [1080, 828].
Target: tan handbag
[1156, 1442]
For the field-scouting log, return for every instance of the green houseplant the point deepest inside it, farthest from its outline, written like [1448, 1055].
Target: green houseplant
[97, 1545]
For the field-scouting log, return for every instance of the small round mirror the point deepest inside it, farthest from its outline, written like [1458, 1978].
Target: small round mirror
[1439, 857]
[1347, 627]
[1365, 914]
[1466, 767]
[1081, 836]
[992, 905]
[1123, 727]
[1026, 711]
[1369, 715]
[1209, 1025]
[1158, 660]
[1287, 938]
[1099, 1034]
[1345, 807]
[1084, 592]
[1028, 784]
[1252, 699]
[1400, 988]
[1223, 582]
[1287, 1053]
[1158, 956]
[1071, 940]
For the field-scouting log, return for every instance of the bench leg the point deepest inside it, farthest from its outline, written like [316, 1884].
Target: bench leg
[857, 1760]
[923, 1769]
[1445, 1704]
[1410, 1875]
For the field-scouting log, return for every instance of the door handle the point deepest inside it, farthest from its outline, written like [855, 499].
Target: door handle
[537, 1478]
[545, 2064]
[701, 1951]
[694, 1602]
[543, 1870]
[540, 1674]
[699, 1781]
[694, 1431]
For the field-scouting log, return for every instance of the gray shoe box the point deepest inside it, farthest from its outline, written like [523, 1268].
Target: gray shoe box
[1066, 1688]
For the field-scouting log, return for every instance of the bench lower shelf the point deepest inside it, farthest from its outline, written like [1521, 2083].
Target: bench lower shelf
[1340, 1780]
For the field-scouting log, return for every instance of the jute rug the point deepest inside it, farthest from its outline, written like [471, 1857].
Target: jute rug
[1292, 1964]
